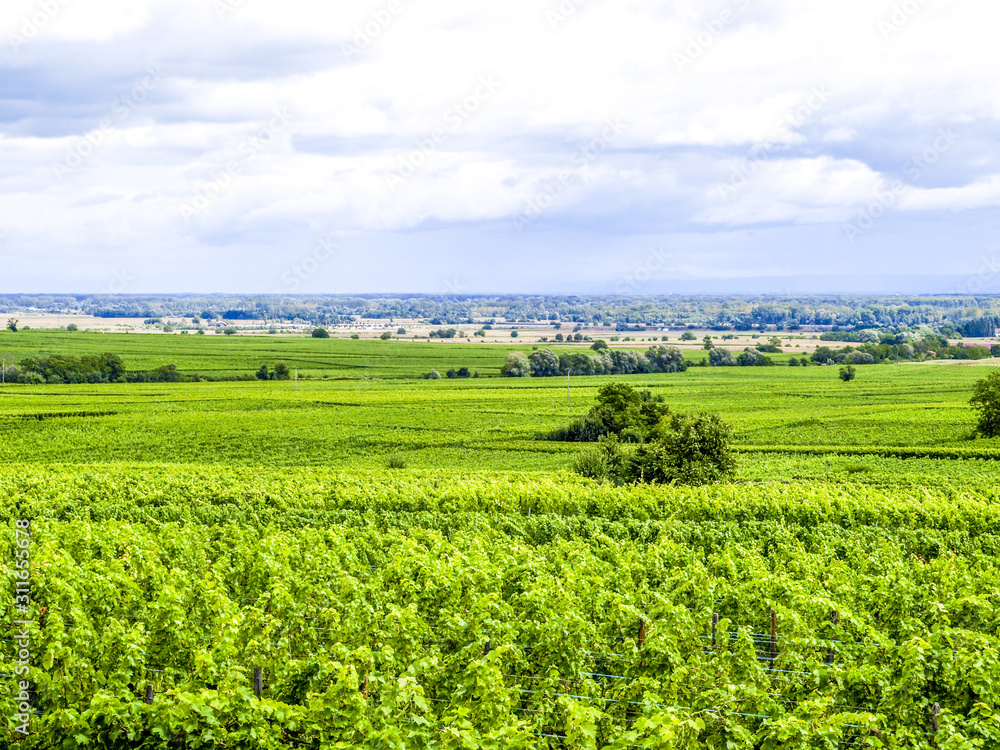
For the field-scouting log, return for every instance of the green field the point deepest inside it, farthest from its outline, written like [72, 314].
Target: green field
[483, 595]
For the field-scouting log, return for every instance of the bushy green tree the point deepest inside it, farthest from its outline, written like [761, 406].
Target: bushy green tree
[685, 449]
[544, 363]
[986, 400]
[721, 358]
[516, 366]
[847, 373]
[321, 333]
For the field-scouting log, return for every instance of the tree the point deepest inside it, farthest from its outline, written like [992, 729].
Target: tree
[688, 336]
[665, 359]
[281, 372]
[986, 400]
[599, 345]
[847, 373]
[544, 363]
[707, 343]
[721, 358]
[385, 336]
[12, 324]
[72, 327]
[230, 331]
[263, 374]
[753, 358]
[685, 449]
[322, 333]
[516, 366]
[400, 331]
[513, 334]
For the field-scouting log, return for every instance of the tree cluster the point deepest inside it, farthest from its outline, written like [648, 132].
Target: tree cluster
[604, 361]
[640, 441]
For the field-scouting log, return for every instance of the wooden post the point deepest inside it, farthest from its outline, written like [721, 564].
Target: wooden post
[773, 649]
[148, 700]
[642, 632]
[715, 628]
[489, 647]
[258, 681]
[935, 726]
[829, 656]
[296, 379]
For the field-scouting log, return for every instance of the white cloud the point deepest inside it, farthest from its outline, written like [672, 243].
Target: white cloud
[354, 118]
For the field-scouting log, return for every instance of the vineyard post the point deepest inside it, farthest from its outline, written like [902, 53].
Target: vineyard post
[258, 681]
[148, 700]
[489, 647]
[829, 656]
[935, 726]
[773, 647]
[715, 628]
[296, 379]
[642, 632]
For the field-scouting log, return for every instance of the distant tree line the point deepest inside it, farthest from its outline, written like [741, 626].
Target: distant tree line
[969, 315]
[546, 363]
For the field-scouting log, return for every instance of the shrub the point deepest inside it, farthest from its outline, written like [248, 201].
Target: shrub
[322, 333]
[262, 373]
[400, 331]
[72, 327]
[604, 461]
[229, 331]
[433, 375]
[599, 345]
[395, 461]
[30, 378]
[995, 350]
[463, 372]
[385, 336]
[354, 336]
[688, 336]
[986, 400]
[513, 334]
[847, 373]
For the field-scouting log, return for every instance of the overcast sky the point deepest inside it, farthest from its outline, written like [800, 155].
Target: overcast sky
[451, 146]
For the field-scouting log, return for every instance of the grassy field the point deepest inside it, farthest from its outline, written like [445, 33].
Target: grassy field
[483, 595]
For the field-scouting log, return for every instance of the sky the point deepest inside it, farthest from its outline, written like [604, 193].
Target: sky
[523, 146]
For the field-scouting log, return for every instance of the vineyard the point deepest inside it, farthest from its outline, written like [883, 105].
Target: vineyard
[234, 565]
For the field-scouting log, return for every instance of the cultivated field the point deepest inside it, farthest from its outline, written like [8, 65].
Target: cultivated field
[480, 594]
